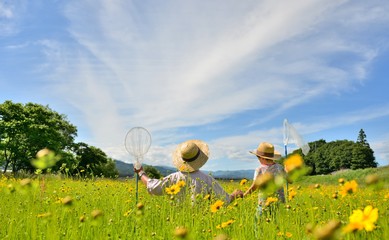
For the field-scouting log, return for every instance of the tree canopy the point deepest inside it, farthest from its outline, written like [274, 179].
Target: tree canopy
[326, 157]
[26, 129]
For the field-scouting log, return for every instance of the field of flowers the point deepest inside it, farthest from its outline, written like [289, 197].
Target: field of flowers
[51, 207]
[47, 206]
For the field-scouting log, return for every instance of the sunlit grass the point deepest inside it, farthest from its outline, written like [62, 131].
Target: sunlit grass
[59, 208]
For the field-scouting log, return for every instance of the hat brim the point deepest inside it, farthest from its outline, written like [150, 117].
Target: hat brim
[195, 165]
[276, 156]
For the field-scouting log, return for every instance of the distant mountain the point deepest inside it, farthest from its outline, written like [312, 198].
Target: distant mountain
[127, 170]
[236, 174]
[124, 169]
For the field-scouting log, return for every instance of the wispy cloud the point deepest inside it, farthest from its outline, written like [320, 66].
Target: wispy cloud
[10, 14]
[381, 150]
[186, 64]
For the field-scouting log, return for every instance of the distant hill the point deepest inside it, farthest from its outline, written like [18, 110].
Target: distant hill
[127, 170]
[236, 174]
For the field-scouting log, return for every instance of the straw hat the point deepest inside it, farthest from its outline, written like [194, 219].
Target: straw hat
[190, 155]
[266, 150]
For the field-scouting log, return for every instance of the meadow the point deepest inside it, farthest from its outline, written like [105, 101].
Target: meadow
[340, 206]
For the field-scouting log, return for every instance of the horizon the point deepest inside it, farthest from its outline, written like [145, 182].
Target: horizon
[224, 72]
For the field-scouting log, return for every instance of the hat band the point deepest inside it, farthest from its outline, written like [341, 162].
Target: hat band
[265, 154]
[193, 158]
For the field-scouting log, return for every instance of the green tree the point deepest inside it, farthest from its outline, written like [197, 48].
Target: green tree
[311, 158]
[363, 155]
[26, 129]
[107, 169]
[152, 172]
[362, 138]
[325, 158]
[92, 161]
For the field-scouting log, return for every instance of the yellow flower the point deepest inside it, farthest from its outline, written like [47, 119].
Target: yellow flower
[43, 215]
[349, 187]
[173, 190]
[293, 162]
[128, 213]
[181, 184]
[216, 206]
[387, 196]
[292, 194]
[67, 201]
[96, 213]
[328, 231]
[243, 182]
[262, 181]
[288, 234]
[183, 168]
[341, 181]
[365, 219]
[271, 200]
[169, 190]
[206, 197]
[181, 232]
[225, 224]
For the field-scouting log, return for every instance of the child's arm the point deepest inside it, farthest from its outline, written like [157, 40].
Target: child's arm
[250, 190]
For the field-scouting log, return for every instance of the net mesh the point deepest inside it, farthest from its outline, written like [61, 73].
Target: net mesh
[137, 142]
[290, 133]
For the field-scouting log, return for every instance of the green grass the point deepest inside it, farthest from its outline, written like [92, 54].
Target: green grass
[38, 209]
[359, 175]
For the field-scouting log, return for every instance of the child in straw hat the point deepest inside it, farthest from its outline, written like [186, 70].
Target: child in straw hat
[188, 158]
[265, 173]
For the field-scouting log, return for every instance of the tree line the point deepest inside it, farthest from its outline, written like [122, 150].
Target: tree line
[327, 157]
[27, 128]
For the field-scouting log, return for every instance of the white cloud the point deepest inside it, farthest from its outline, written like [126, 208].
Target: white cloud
[5, 12]
[10, 14]
[185, 64]
[381, 151]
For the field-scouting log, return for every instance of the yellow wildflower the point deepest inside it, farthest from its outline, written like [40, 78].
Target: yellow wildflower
[328, 231]
[181, 184]
[173, 190]
[216, 206]
[96, 213]
[341, 181]
[262, 181]
[43, 215]
[387, 196]
[372, 179]
[349, 187]
[180, 232]
[270, 200]
[225, 224]
[128, 213]
[292, 193]
[169, 190]
[206, 197]
[293, 162]
[365, 219]
[67, 201]
[243, 182]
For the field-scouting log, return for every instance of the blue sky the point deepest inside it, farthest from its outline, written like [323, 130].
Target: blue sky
[226, 72]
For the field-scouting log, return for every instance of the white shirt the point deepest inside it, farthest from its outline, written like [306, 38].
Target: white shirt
[275, 169]
[197, 182]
